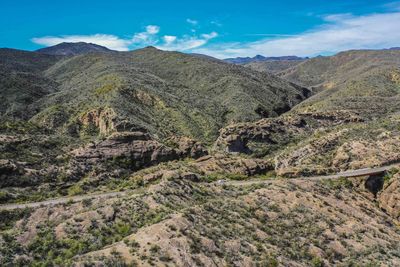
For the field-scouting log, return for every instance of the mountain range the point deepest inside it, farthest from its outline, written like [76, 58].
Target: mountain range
[174, 93]
[160, 158]
[259, 58]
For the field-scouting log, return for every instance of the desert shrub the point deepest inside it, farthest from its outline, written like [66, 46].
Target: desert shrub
[340, 183]
[5, 197]
[389, 174]
[9, 217]
[122, 228]
[317, 262]
[155, 248]
[75, 190]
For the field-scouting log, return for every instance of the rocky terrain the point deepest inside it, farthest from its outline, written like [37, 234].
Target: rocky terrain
[202, 151]
[350, 121]
[182, 222]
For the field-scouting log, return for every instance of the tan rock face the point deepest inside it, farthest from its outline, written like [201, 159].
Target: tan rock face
[395, 76]
[189, 147]
[235, 138]
[130, 149]
[102, 119]
[330, 153]
[233, 165]
[389, 197]
[269, 132]
[303, 160]
[360, 154]
[313, 143]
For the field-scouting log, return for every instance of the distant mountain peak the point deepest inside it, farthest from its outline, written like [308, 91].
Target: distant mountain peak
[150, 47]
[72, 49]
[257, 58]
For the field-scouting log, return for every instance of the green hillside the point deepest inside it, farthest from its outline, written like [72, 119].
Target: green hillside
[350, 121]
[273, 66]
[160, 158]
[22, 81]
[166, 93]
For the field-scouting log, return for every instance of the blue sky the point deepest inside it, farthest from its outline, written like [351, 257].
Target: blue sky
[218, 28]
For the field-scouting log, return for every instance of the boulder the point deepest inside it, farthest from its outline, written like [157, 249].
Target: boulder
[188, 147]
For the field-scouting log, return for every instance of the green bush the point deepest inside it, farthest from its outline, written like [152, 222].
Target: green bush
[340, 183]
[75, 190]
[317, 262]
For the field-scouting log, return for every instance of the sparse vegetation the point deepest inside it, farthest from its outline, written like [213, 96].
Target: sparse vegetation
[188, 208]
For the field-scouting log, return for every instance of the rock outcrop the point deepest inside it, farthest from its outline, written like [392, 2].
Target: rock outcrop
[8, 167]
[101, 119]
[246, 137]
[130, 150]
[188, 147]
[232, 165]
[236, 138]
[389, 197]
[309, 158]
[137, 146]
[364, 153]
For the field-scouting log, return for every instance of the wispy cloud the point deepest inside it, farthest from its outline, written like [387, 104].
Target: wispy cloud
[186, 42]
[168, 39]
[393, 6]
[216, 23]
[192, 21]
[150, 36]
[152, 29]
[270, 34]
[339, 32]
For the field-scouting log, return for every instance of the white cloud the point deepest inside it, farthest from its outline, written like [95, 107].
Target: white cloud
[148, 37]
[192, 21]
[169, 39]
[109, 41]
[187, 42]
[340, 32]
[209, 36]
[152, 29]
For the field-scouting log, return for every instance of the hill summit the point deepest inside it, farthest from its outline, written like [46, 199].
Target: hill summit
[72, 49]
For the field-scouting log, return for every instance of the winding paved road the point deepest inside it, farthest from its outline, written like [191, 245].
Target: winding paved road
[348, 174]
[353, 173]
